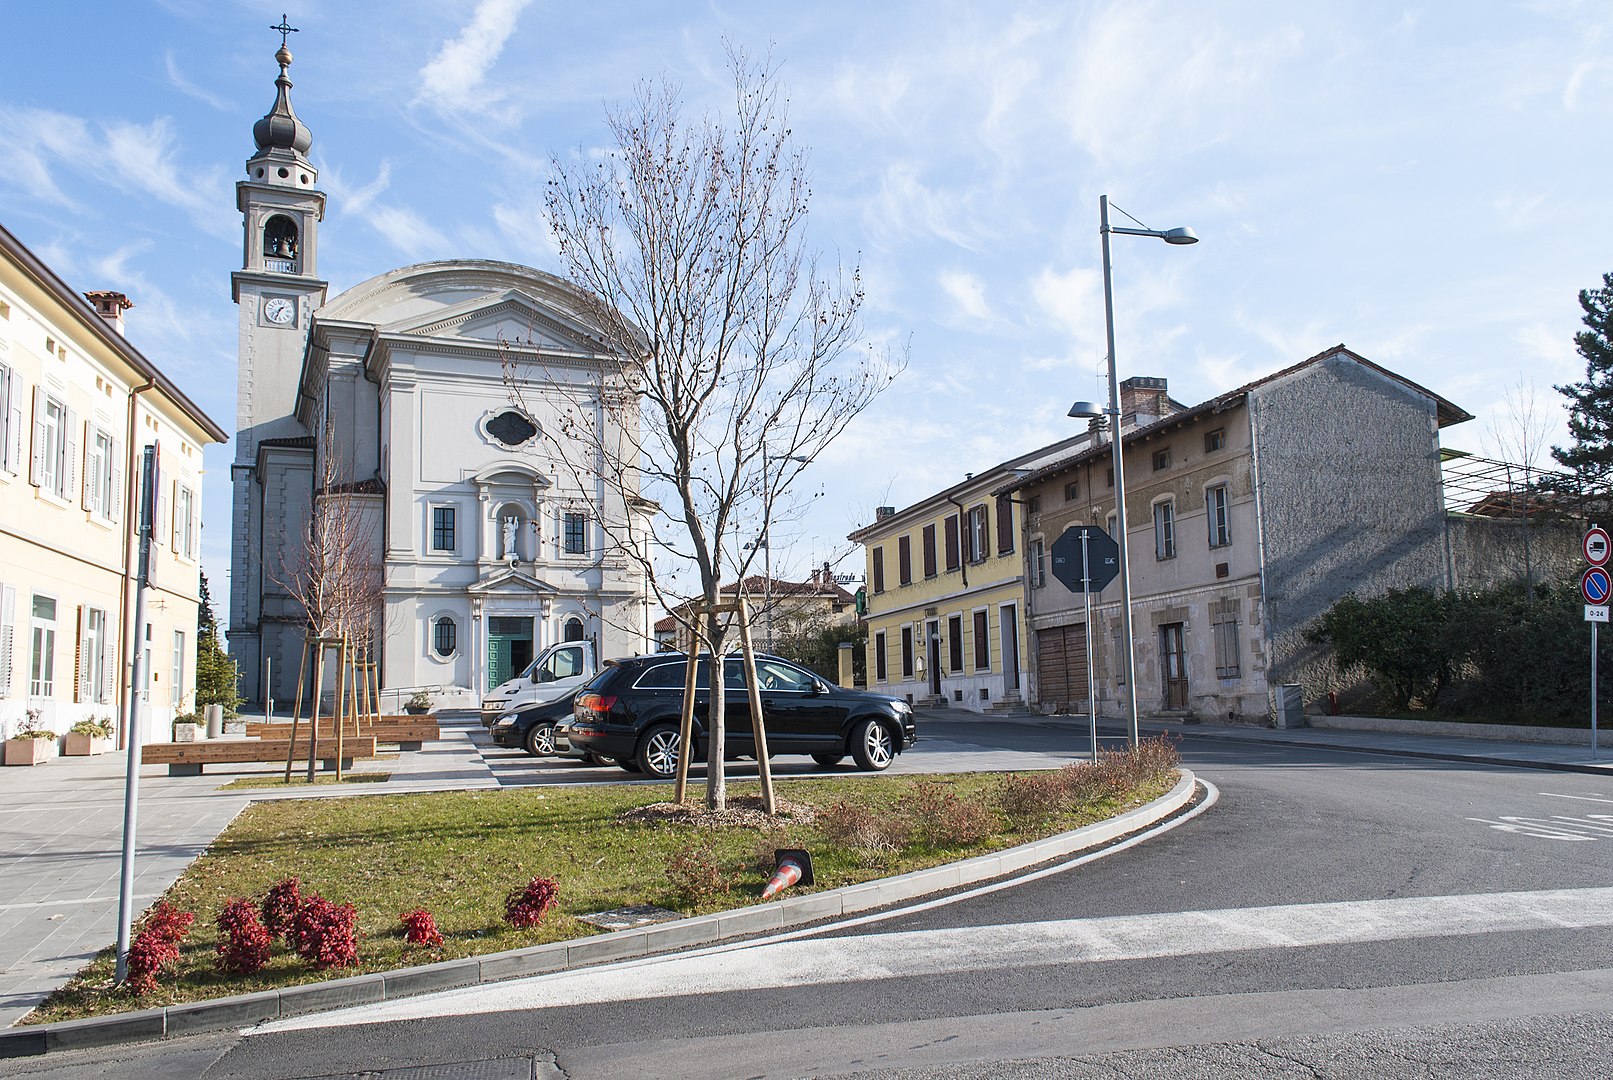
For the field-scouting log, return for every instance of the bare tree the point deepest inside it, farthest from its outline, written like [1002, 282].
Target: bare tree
[738, 360]
[1521, 438]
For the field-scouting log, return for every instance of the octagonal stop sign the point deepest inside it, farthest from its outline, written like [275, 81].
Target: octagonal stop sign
[1102, 562]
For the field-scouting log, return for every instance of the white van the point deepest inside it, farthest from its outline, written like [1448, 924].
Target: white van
[557, 671]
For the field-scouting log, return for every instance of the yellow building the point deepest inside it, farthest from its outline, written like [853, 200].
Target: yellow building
[946, 592]
[77, 405]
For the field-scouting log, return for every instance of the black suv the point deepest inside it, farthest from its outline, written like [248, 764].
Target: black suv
[630, 712]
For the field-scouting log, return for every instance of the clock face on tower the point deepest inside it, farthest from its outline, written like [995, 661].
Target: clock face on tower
[279, 310]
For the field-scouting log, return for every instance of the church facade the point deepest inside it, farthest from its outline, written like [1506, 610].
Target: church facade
[388, 410]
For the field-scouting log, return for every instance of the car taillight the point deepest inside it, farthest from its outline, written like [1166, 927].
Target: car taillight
[599, 703]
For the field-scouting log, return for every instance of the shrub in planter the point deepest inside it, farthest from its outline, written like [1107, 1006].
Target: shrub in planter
[188, 727]
[280, 906]
[245, 948]
[156, 948]
[419, 928]
[526, 907]
[91, 736]
[325, 934]
[419, 702]
[30, 744]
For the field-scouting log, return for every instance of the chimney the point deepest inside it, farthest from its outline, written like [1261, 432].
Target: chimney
[884, 512]
[110, 306]
[1142, 398]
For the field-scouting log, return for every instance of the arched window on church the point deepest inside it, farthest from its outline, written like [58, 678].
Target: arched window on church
[280, 244]
[573, 629]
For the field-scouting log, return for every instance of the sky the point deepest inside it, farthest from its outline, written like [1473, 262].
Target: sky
[1423, 183]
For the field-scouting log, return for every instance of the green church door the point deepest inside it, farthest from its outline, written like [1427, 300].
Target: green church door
[509, 648]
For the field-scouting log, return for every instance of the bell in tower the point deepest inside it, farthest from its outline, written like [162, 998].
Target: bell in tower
[281, 205]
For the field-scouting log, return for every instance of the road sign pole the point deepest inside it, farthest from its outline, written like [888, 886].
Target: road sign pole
[1092, 689]
[1593, 692]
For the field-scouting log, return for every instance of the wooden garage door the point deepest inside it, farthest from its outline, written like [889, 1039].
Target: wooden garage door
[1061, 666]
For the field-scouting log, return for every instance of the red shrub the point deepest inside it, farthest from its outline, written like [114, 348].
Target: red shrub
[245, 948]
[280, 906]
[419, 928]
[526, 907]
[156, 947]
[325, 934]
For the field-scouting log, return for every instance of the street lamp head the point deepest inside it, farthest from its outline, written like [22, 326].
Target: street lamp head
[1182, 235]
[1085, 410]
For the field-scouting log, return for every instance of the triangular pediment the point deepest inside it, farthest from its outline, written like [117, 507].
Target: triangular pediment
[510, 318]
[511, 581]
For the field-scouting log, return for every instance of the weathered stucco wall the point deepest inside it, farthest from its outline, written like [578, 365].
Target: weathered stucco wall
[1347, 464]
[1488, 551]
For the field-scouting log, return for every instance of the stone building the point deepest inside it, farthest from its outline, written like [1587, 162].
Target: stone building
[779, 610]
[388, 403]
[78, 404]
[1250, 514]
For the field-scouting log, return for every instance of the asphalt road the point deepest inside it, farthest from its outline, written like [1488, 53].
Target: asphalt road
[1332, 914]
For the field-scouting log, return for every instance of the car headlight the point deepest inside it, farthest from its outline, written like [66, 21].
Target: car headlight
[903, 707]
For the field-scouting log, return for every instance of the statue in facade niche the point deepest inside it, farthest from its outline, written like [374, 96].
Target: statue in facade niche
[509, 526]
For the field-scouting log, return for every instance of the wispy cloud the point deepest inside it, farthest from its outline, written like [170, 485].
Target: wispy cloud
[177, 80]
[455, 79]
[968, 295]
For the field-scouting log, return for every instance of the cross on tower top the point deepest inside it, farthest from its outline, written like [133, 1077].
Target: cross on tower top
[285, 28]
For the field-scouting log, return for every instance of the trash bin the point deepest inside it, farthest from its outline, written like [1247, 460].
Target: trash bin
[1289, 707]
[215, 720]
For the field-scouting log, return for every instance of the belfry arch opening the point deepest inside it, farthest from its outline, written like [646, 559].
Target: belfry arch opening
[280, 240]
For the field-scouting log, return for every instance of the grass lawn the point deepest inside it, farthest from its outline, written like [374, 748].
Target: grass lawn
[458, 854]
[301, 780]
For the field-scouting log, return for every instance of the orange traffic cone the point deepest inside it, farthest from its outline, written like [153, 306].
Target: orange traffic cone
[790, 867]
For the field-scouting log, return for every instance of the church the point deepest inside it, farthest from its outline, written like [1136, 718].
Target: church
[390, 404]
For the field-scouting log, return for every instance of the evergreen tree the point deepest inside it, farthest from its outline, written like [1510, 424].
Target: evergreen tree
[215, 671]
[1590, 403]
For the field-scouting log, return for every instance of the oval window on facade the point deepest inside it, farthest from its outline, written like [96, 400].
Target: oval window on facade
[512, 428]
[444, 636]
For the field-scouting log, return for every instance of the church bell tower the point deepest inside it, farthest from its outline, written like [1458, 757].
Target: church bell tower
[277, 290]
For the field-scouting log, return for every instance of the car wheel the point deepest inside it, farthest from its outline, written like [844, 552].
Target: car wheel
[539, 741]
[658, 752]
[628, 765]
[828, 761]
[873, 747]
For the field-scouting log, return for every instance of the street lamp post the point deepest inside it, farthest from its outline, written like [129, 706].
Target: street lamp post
[1116, 448]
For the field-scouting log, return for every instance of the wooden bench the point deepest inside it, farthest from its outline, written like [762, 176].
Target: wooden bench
[188, 758]
[406, 735]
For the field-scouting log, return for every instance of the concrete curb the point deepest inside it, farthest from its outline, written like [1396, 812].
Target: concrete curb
[248, 1009]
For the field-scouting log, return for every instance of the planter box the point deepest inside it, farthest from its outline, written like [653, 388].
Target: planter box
[29, 751]
[86, 745]
[188, 732]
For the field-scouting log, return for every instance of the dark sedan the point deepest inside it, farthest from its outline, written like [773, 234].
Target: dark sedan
[630, 712]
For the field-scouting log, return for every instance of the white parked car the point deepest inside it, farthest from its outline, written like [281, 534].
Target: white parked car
[556, 672]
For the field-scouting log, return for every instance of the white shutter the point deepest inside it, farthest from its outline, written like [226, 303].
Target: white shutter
[36, 460]
[177, 524]
[15, 427]
[82, 665]
[115, 511]
[109, 660]
[159, 527]
[8, 633]
[91, 494]
[67, 477]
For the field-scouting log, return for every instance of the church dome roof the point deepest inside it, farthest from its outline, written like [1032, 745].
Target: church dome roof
[280, 129]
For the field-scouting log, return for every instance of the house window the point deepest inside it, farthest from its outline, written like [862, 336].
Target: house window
[93, 677]
[51, 457]
[879, 656]
[907, 652]
[444, 636]
[1072, 491]
[1005, 525]
[1214, 440]
[10, 420]
[1033, 505]
[929, 550]
[176, 681]
[576, 534]
[42, 669]
[976, 534]
[879, 569]
[1038, 573]
[1165, 530]
[184, 521]
[103, 477]
[1226, 648]
[904, 559]
[442, 529]
[573, 631]
[1162, 459]
[1109, 476]
[982, 642]
[511, 428]
[955, 643]
[1215, 504]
